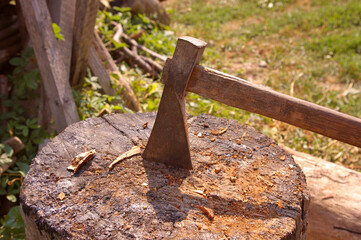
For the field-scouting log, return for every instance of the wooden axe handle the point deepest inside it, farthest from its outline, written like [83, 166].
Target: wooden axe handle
[242, 94]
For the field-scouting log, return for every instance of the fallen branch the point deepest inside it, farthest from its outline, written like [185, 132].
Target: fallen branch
[155, 66]
[136, 59]
[99, 56]
[153, 54]
[133, 54]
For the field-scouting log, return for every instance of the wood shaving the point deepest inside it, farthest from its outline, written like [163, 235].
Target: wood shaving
[61, 196]
[207, 211]
[200, 192]
[136, 150]
[215, 132]
[81, 159]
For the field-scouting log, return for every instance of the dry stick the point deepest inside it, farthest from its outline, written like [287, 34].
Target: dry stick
[140, 62]
[131, 41]
[156, 67]
[133, 55]
[118, 32]
[99, 56]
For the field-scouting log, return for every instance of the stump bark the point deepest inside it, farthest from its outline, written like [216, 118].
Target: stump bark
[242, 186]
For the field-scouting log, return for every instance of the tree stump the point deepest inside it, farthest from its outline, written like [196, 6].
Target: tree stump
[242, 186]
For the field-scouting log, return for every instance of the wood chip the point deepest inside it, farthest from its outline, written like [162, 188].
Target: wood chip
[81, 159]
[61, 196]
[145, 125]
[200, 192]
[223, 130]
[136, 150]
[283, 157]
[207, 211]
[327, 197]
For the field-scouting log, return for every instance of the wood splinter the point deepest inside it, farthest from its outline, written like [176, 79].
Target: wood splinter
[136, 150]
[81, 159]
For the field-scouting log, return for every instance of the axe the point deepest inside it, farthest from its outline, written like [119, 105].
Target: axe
[168, 142]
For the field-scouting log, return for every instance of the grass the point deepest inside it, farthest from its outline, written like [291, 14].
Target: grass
[312, 50]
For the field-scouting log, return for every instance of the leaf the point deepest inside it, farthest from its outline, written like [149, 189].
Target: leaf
[57, 31]
[25, 131]
[11, 198]
[24, 168]
[17, 61]
[8, 150]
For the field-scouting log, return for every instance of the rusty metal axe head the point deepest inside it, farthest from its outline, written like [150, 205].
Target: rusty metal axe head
[168, 142]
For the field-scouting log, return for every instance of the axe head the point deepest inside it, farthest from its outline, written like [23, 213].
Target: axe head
[168, 142]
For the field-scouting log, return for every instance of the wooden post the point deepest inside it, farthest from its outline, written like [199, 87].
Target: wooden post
[63, 13]
[168, 142]
[50, 63]
[86, 12]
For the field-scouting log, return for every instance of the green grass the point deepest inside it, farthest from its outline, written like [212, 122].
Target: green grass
[312, 50]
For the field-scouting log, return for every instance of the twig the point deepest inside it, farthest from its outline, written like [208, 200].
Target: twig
[118, 33]
[153, 54]
[133, 54]
[140, 62]
[158, 68]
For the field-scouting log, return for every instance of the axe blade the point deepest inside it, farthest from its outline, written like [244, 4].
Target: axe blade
[168, 142]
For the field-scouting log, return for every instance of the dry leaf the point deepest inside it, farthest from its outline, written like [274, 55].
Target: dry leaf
[136, 150]
[207, 211]
[61, 196]
[81, 159]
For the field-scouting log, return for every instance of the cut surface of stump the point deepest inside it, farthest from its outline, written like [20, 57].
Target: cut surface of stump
[242, 186]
